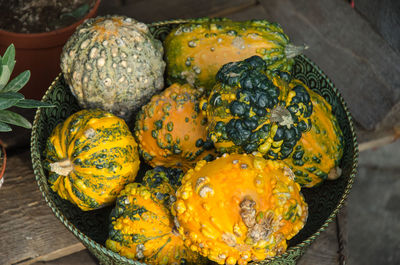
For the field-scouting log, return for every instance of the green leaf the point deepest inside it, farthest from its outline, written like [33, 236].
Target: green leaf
[9, 57]
[18, 82]
[9, 99]
[31, 103]
[77, 13]
[4, 76]
[5, 127]
[14, 118]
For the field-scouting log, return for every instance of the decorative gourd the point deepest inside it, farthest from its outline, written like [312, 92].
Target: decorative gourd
[142, 228]
[157, 175]
[250, 111]
[171, 129]
[90, 157]
[163, 183]
[113, 63]
[239, 208]
[196, 51]
[317, 155]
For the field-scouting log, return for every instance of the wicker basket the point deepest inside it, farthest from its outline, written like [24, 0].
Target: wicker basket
[91, 228]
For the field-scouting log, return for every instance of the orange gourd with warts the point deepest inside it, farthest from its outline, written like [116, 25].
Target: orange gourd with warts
[171, 129]
[239, 208]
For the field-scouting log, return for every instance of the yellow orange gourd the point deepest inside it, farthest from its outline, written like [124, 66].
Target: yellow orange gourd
[317, 155]
[239, 208]
[171, 129]
[142, 229]
[195, 51]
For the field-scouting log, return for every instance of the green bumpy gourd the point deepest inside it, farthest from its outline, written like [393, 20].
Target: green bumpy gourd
[251, 111]
[163, 182]
[160, 174]
[195, 51]
[316, 157]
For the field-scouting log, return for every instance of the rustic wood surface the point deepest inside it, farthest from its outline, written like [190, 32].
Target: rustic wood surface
[357, 59]
[28, 228]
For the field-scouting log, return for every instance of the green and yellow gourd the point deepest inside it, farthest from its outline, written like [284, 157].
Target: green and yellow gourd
[249, 111]
[159, 174]
[196, 51]
[239, 208]
[142, 228]
[171, 129]
[90, 157]
[317, 154]
[163, 183]
[113, 63]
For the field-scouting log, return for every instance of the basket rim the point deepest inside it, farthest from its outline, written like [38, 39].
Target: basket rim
[39, 173]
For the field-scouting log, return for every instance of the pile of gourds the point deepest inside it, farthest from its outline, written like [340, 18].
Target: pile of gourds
[232, 138]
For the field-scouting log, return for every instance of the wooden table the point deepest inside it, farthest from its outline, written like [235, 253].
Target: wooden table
[362, 65]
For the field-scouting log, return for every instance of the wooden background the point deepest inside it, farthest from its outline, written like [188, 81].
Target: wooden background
[361, 62]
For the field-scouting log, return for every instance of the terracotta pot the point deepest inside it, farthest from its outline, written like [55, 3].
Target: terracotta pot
[3, 164]
[39, 53]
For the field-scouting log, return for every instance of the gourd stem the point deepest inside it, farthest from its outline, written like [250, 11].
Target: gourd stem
[292, 51]
[282, 116]
[62, 167]
[334, 173]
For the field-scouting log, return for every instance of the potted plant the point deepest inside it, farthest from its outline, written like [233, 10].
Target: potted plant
[39, 40]
[10, 97]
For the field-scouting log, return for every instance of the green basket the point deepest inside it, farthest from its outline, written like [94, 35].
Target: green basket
[91, 228]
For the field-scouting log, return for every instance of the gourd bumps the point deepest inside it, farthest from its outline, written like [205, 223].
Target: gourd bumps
[195, 51]
[316, 156]
[171, 129]
[239, 208]
[113, 63]
[142, 229]
[249, 110]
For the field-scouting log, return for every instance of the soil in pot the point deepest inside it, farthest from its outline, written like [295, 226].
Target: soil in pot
[27, 16]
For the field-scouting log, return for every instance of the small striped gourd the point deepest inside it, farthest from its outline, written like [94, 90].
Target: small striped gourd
[317, 154]
[142, 228]
[239, 208]
[90, 157]
[195, 51]
[171, 129]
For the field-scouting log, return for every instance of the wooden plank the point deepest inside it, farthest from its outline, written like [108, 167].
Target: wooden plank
[28, 228]
[324, 250]
[384, 17]
[83, 257]
[358, 60]
[158, 10]
[57, 254]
